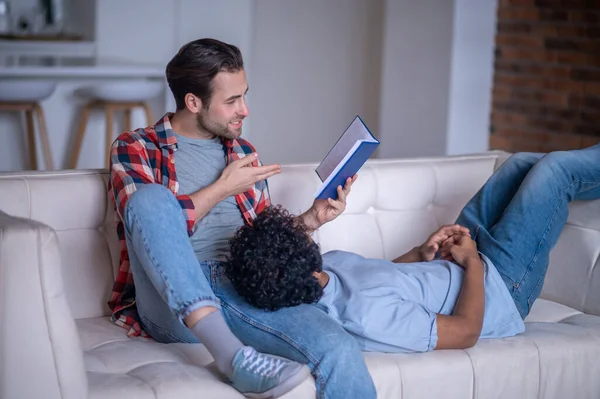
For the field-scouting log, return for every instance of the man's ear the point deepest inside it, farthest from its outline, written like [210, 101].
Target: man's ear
[193, 103]
[322, 278]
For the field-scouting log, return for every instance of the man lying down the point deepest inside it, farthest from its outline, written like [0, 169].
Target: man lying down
[402, 306]
[491, 270]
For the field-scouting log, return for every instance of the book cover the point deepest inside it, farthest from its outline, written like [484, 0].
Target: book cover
[354, 147]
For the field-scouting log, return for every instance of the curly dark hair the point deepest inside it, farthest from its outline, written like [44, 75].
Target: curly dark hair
[272, 262]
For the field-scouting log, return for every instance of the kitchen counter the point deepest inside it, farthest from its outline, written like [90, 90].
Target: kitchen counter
[53, 48]
[63, 108]
[78, 68]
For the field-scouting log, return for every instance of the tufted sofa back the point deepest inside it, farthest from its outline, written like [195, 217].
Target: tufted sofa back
[394, 205]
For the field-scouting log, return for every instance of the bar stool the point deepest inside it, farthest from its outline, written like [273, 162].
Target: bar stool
[25, 96]
[112, 97]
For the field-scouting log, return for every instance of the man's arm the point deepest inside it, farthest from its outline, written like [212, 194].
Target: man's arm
[414, 255]
[238, 177]
[207, 198]
[323, 211]
[462, 329]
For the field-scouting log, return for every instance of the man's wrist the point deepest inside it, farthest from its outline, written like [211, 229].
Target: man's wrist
[473, 261]
[418, 253]
[310, 220]
[213, 193]
[219, 189]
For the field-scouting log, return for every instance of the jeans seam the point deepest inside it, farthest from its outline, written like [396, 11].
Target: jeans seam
[476, 234]
[537, 251]
[164, 331]
[595, 184]
[154, 263]
[537, 284]
[553, 215]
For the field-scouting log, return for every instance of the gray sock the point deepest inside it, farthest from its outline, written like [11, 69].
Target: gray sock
[215, 334]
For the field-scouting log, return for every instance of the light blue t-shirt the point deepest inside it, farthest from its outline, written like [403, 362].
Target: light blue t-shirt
[391, 307]
[200, 163]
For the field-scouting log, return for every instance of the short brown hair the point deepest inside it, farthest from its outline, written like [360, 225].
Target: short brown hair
[195, 65]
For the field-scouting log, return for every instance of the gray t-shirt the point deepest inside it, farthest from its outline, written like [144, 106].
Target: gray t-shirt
[200, 163]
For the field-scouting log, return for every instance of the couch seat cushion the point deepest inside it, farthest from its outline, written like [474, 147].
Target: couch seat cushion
[559, 348]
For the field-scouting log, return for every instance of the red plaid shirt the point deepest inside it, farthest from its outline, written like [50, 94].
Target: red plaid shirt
[146, 156]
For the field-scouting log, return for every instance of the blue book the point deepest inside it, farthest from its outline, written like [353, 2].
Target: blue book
[347, 156]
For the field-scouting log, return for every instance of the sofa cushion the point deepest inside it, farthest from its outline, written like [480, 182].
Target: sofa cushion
[560, 346]
[394, 205]
[119, 367]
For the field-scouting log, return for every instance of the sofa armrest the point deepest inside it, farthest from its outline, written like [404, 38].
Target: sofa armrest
[40, 351]
[573, 277]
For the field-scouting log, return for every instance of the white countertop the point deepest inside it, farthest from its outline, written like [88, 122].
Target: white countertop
[48, 47]
[81, 68]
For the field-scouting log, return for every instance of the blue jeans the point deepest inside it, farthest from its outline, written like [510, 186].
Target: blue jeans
[170, 283]
[516, 218]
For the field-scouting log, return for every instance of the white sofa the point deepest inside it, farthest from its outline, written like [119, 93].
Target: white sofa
[58, 257]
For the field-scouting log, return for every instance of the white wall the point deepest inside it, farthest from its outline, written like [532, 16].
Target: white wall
[314, 68]
[471, 76]
[136, 30]
[154, 35]
[418, 72]
[416, 77]
[151, 31]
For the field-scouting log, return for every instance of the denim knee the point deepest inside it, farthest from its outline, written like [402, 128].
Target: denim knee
[559, 158]
[148, 196]
[524, 159]
[151, 199]
[559, 164]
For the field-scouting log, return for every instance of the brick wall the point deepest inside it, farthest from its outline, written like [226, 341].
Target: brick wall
[546, 92]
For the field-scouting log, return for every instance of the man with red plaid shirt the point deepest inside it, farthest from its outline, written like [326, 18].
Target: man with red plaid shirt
[181, 188]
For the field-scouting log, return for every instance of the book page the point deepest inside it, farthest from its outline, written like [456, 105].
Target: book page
[356, 132]
[337, 167]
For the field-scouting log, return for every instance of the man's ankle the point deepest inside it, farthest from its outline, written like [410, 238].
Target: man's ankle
[222, 344]
[198, 314]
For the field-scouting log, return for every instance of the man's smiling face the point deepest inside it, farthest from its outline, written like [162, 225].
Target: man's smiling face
[227, 108]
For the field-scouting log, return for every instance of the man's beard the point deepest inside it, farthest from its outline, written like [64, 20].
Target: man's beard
[203, 122]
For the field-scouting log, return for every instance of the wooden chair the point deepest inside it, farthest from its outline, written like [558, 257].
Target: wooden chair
[111, 97]
[109, 108]
[32, 109]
